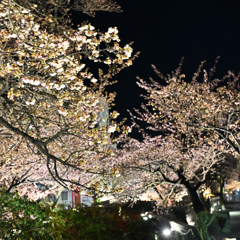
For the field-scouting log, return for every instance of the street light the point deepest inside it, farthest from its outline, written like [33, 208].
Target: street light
[167, 232]
[175, 228]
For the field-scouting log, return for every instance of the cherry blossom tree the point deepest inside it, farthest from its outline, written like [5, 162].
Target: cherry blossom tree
[21, 170]
[59, 9]
[91, 6]
[50, 101]
[160, 169]
[193, 128]
[195, 111]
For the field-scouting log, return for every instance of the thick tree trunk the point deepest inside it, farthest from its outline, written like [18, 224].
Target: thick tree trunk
[196, 202]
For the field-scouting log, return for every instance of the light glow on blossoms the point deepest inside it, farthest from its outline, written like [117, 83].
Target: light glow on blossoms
[187, 138]
[112, 128]
[50, 115]
[31, 81]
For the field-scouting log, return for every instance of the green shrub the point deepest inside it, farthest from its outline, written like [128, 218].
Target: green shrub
[23, 219]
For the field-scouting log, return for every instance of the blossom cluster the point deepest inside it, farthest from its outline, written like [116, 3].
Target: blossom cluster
[51, 97]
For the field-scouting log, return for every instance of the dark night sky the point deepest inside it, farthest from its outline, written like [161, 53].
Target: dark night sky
[164, 31]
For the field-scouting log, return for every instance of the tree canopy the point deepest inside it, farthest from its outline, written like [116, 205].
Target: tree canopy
[52, 127]
[50, 101]
[192, 132]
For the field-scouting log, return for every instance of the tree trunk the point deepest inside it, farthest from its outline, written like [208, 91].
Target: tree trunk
[196, 202]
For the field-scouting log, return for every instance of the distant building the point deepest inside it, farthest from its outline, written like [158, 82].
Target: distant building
[103, 115]
[66, 197]
[72, 199]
